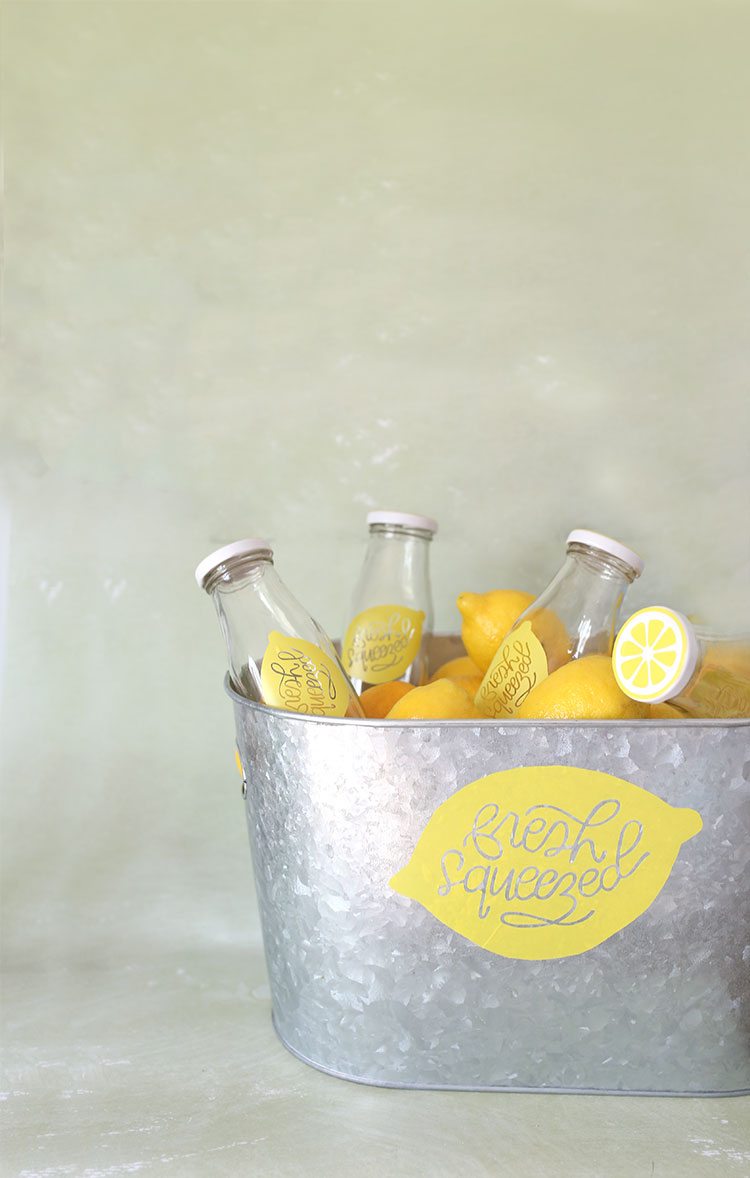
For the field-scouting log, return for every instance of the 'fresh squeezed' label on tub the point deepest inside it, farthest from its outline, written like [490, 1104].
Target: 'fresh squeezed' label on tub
[300, 677]
[382, 642]
[520, 663]
[545, 862]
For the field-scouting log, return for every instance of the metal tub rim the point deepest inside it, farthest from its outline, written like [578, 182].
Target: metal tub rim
[348, 721]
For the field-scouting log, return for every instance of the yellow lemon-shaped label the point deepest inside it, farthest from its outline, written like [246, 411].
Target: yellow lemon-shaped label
[300, 677]
[519, 664]
[381, 643]
[545, 862]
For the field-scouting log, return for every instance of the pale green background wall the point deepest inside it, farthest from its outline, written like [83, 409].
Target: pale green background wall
[270, 264]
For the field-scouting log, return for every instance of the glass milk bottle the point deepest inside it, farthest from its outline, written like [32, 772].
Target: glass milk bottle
[391, 612]
[576, 615]
[659, 657]
[278, 655]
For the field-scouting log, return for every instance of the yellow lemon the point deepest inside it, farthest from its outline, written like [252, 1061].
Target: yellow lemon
[470, 683]
[459, 668]
[487, 618]
[443, 700]
[377, 701]
[585, 689]
[665, 712]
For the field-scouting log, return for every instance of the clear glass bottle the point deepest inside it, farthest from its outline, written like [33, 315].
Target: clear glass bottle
[278, 654]
[391, 612]
[574, 616]
[660, 657]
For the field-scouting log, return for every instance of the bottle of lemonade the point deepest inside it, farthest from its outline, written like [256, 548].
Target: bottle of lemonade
[278, 654]
[391, 612]
[574, 616]
[659, 657]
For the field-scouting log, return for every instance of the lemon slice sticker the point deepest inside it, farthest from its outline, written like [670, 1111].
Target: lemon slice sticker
[545, 862]
[654, 654]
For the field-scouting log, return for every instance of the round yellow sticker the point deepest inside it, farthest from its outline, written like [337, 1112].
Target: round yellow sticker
[300, 677]
[381, 643]
[545, 862]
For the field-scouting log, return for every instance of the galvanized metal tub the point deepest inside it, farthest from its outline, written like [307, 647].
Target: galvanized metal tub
[370, 986]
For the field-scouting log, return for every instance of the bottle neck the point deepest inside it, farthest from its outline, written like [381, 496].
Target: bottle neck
[238, 573]
[399, 531]
[586, 596]
[395, 570]
[601, 565]
[398, 552]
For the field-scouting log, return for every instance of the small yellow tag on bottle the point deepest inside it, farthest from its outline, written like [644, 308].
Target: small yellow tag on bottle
[300, 677]
[545, 861]
[520, 663]
[381, 643]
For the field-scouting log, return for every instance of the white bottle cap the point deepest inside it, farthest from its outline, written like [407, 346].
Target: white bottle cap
[403, 519]
[222, 555]
[606, 544]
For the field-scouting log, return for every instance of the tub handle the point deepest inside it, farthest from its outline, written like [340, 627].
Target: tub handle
[240, 770]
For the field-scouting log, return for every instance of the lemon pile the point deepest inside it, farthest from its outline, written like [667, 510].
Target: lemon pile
[648, 664]
[583, 689]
